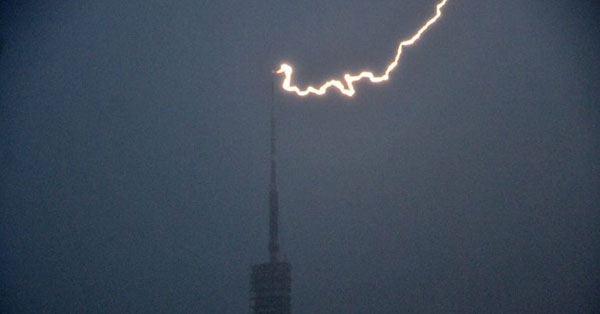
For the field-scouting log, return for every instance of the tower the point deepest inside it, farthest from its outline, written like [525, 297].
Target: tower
[270, 283]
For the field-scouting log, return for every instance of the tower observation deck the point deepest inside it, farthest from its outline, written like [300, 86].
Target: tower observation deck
[270, 283]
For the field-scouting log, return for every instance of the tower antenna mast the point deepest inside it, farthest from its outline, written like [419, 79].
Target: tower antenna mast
[273, 194]
[271, 283]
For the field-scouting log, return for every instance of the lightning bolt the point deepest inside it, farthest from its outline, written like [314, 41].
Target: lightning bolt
[350, 79]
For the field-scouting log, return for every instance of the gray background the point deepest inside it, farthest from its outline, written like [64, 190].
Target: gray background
[134, 160]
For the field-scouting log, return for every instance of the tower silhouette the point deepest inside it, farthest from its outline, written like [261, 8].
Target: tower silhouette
[270, 283]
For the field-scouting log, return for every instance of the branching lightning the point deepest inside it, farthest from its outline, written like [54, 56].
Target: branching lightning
[350, 79]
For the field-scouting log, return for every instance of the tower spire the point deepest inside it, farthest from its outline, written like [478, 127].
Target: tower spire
[271, 283]
[273, 194]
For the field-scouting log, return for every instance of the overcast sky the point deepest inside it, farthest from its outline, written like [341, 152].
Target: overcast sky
[134, 156]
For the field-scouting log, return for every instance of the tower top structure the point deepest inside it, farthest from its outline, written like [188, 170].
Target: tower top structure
[271, 283]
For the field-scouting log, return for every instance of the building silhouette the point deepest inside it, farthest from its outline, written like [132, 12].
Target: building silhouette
[270, 283]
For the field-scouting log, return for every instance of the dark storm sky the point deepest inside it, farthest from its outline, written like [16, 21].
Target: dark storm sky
[134, 167]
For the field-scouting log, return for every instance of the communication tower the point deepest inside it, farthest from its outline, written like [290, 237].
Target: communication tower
[270, 283]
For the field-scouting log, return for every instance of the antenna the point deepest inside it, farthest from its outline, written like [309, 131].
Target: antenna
[271, 283]
[273, 194]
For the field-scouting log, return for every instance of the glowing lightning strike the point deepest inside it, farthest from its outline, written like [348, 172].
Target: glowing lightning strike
[349, 91]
